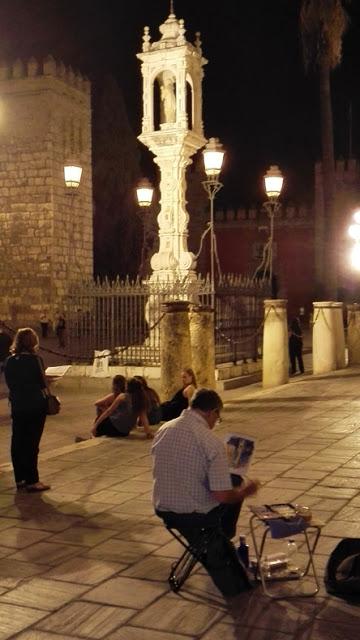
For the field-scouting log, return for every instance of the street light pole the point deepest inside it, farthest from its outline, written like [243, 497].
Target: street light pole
[273, 181]
[213, 160]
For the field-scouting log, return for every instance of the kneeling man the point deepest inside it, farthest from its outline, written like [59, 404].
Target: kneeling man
[193, 490]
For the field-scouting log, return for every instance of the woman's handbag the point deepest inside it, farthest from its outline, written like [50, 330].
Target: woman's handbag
[53, 403]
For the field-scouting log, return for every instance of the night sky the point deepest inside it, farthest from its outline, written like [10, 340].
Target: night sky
[257, 98]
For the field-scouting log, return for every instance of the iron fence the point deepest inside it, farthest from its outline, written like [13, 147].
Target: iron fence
[124, 317]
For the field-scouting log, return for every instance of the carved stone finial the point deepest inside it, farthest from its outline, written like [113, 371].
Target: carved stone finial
[32, 67]
[18, 69]
[172, 8]
[181, 37]
[198, 42]
[49, 66]
[4, 71]
[61, 70]
[70, 76]
[146, 39]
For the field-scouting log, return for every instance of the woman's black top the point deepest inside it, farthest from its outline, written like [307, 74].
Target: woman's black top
[23, 375]
[174, 407]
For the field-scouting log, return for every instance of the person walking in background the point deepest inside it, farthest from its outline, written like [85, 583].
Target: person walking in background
[296, 346]
[25, 380]
[44, 324]
[60, 330]
[5, 344]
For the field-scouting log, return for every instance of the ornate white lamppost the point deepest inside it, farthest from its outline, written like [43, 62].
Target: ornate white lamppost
[172, 129]
[273, 182]
[354, 233]
[144, 195]
[213, 161]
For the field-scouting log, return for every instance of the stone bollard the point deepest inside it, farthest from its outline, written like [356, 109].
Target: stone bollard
[175, 350]
[203, 345]
[324, 338]
[339, 335]
[353, 333]
[275, 344]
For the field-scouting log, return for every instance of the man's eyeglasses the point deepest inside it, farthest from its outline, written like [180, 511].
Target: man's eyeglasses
[217, 413]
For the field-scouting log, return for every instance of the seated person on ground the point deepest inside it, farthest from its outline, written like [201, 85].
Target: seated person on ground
[118, 386]
[154, 409]
[118, 419]
[193, 489]
[180, 401]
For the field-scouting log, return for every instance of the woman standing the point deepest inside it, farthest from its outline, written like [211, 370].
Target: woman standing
[25, 378]
[296, 346]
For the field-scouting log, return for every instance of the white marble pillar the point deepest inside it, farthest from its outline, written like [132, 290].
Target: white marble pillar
[353, 333]
[339, 335]
[324, 338]
[275, 345]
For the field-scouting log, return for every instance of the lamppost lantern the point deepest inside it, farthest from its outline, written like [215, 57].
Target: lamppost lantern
[144, 193]
[354, 233]
[273, 180]
[213, 158]
[72, 176]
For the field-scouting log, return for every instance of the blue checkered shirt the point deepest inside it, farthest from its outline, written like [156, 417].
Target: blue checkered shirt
[189, 462]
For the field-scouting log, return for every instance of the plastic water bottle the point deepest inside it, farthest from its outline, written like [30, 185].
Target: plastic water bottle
[243, 551]
[291, 554]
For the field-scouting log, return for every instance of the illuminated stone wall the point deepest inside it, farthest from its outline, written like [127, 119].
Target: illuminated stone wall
[46, 234]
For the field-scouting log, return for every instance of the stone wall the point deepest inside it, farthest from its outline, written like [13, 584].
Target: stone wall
[46, 234]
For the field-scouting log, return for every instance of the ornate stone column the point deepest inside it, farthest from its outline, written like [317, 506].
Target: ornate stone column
[353, 333]
[172, 68]
[275, 345]
[175, 352]
[339, 335]
[324, 338]
[203, 345]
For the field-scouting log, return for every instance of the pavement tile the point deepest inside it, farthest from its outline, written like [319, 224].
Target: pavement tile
[342, 528]
[150, 568]
[322, 630]
[84, 570]
[46, 553]
[334, 480]
[235, 632]
[43, 594]
[143, 532]
[13, 572]
[84, 536]
[125, 552]
[140, 507]
[136, 633]
[36, 634]
[112, 497]
[126, 592]
[306, 474]
[332, 492]
[86, 619]
[180, 615]
[14, 619]
[18, 538]
[349, 514]
[111, 520]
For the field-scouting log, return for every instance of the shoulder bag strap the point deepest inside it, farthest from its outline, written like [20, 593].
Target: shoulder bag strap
[41, 367]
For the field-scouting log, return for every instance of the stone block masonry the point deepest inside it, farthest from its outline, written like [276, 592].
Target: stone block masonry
[46, 236]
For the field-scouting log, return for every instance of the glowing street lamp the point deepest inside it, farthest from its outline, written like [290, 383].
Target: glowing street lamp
[213, 160]
[72, 176]
[144, 195]
[354, 233]
[273, 180]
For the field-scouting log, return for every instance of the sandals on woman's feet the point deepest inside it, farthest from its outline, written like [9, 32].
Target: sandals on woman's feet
[38, 486]
[21, 485]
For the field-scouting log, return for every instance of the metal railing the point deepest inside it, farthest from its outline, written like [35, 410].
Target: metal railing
[124, 317]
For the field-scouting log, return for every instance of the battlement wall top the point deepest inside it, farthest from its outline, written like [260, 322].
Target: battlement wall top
[48, 67]
[244, 215]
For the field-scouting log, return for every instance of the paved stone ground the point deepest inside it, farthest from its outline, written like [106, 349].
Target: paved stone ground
[90, 560]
